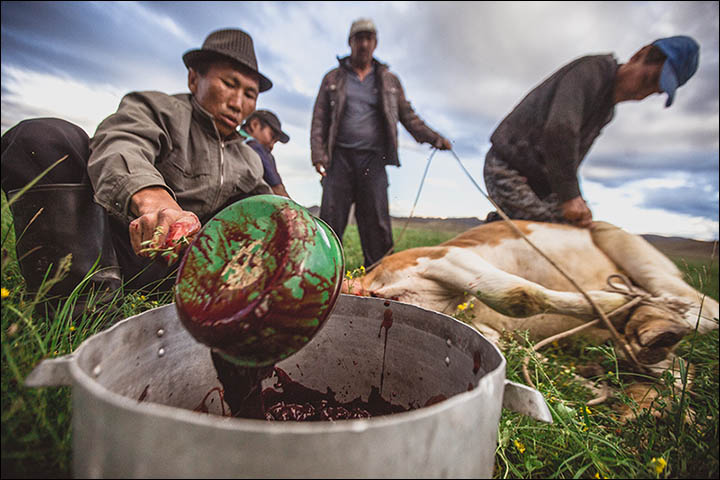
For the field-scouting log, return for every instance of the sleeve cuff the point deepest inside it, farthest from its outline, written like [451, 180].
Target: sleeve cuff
[122, 192]
[567, 190]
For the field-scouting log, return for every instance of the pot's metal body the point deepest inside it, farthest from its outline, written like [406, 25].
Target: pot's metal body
[135, 387]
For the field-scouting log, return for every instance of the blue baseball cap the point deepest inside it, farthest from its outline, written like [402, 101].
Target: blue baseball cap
[682, 62]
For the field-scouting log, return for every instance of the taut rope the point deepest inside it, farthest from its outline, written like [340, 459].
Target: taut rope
[627, 348]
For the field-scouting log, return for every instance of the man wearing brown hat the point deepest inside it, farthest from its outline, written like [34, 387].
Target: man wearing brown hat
[264, 130]
[160, 164]
[354, 136]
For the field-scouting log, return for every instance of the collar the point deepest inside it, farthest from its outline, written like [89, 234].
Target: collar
[345, 63]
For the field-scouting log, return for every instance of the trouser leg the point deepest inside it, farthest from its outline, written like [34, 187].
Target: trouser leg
[511, 192]
[371, 206]
[337, 196]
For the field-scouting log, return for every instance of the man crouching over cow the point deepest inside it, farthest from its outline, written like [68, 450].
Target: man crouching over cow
[531, 170]
[531, 175]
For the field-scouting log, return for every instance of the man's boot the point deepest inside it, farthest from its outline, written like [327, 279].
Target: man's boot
[69, 221]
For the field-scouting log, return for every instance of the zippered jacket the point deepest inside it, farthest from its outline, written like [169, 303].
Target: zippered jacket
[170, 141]
[330, 102]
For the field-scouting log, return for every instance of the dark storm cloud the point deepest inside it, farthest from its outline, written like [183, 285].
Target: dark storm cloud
[698, 199]
[656, 163]
[94, 41]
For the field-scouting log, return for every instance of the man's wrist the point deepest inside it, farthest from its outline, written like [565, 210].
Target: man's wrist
[151, 199]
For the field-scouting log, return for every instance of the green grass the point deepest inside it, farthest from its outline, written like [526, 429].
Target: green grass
[36, 423]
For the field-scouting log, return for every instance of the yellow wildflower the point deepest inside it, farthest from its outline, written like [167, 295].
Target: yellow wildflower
[519, 445]
[362, 269]
[348, 274]
[587, 410]
[142, 297]
[72, 328]
[658, 464]
[4, 292]
[462, 306]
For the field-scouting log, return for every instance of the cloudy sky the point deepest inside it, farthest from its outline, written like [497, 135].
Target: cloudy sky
[464, 66]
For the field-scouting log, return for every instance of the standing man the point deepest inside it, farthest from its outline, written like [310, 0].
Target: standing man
[531, 169]
[160, 164]
[264, 130]
[354, 136]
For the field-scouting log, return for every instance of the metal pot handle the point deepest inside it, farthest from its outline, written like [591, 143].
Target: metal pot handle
[528, 401]
[53, 372]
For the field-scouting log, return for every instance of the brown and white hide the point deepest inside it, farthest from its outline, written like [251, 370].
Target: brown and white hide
[513, 288]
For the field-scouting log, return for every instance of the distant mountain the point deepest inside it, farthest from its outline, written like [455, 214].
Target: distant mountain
[684, 247]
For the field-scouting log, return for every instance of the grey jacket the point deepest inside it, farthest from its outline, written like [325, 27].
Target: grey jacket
[330, 102]
[550, 131]
[155, 139]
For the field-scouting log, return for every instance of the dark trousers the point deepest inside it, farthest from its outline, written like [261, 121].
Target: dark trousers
[32, 146]
[359, 177]
[513, 194]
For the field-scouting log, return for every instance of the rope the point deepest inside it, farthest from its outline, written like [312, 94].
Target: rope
[639, 298]
[627, 348]
[628, 290]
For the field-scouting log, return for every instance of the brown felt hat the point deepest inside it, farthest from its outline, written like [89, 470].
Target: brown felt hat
[230, 43]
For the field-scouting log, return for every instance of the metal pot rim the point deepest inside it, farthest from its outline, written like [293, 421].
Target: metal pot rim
[85, 380]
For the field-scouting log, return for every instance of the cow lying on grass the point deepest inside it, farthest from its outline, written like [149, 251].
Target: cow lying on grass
[516, 289]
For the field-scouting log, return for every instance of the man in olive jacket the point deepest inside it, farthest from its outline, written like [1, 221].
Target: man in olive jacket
[160, 164]
[354, 136]
[531, 169]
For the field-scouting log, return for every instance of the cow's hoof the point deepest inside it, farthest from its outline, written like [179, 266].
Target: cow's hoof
[653, 327]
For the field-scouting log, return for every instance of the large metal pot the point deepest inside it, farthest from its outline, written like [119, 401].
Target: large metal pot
[137, 384]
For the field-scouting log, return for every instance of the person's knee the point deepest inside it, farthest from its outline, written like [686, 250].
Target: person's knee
[33, 145]
[32, 130]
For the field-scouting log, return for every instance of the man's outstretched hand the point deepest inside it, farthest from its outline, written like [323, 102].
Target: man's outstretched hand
[161, 227]
[576, 211]
[442, 143]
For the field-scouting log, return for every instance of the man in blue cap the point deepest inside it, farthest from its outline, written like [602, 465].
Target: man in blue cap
[531, 169]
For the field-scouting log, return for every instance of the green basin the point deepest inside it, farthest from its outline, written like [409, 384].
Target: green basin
[259, 280]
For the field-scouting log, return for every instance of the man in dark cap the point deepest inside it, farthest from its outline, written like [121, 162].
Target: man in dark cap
[354, 136]
[160, 166]
[264, 130]
[531, 169]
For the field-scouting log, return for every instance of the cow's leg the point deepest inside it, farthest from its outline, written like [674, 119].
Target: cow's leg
[463, 271]
[654, 272]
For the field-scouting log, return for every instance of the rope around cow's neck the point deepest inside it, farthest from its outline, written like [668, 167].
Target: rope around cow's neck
[627, 348]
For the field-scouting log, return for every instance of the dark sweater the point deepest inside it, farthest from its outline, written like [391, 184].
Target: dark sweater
[550, 131]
